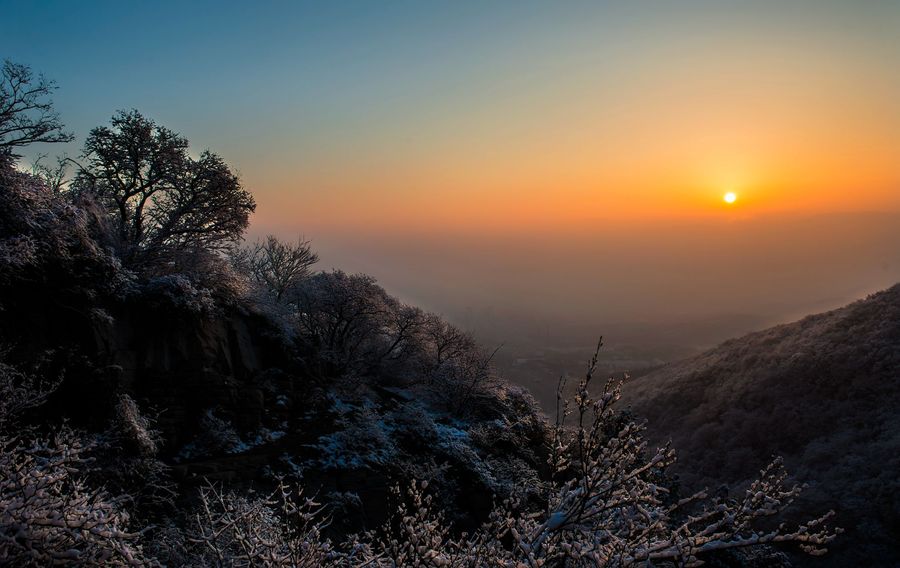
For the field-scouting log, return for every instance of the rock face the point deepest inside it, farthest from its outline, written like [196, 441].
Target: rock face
[184, 364]
[823, 392]
[178, 362]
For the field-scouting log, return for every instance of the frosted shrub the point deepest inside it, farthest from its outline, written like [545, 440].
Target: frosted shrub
[216, 436]
[361, 443]
[275, 530]
[49, 515]
[127, 459]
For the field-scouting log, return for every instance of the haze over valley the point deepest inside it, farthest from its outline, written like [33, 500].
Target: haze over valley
[657, 291]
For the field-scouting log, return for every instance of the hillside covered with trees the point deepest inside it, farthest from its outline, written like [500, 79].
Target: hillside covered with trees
[173, 395]
[824, 392]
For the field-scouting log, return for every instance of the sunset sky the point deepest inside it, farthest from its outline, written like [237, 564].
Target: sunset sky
[472, 128]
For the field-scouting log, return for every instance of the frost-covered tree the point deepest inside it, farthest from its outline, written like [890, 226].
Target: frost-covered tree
[162, 202]
[462, 379]
[344, 315]
[362, 329]
[401, 331]
[45, 237]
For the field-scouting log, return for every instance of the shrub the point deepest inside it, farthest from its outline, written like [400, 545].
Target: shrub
[49, 513]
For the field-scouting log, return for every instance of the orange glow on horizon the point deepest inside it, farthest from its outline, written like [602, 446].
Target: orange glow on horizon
[791, 132]
[560, 181]
[494, 207]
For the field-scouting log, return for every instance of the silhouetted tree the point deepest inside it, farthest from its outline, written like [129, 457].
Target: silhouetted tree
[162, 202]
[26, 111]
[275, 265]
[401, 329]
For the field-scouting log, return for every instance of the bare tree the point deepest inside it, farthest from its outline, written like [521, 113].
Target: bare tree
[26, 111]
[401, 330]
[455, 364]
[445, 341]
[163, 202]
[276, 265]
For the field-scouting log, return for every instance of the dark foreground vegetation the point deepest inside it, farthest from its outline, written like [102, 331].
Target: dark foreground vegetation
[171, 395]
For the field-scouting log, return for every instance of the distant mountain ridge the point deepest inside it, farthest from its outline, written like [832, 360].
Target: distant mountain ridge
[824, 392]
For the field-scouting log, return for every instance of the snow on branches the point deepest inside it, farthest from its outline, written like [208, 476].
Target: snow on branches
[278, 529]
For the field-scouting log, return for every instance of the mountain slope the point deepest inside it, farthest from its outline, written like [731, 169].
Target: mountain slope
[824, 392]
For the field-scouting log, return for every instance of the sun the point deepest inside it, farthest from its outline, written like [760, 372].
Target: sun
[730, 197]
